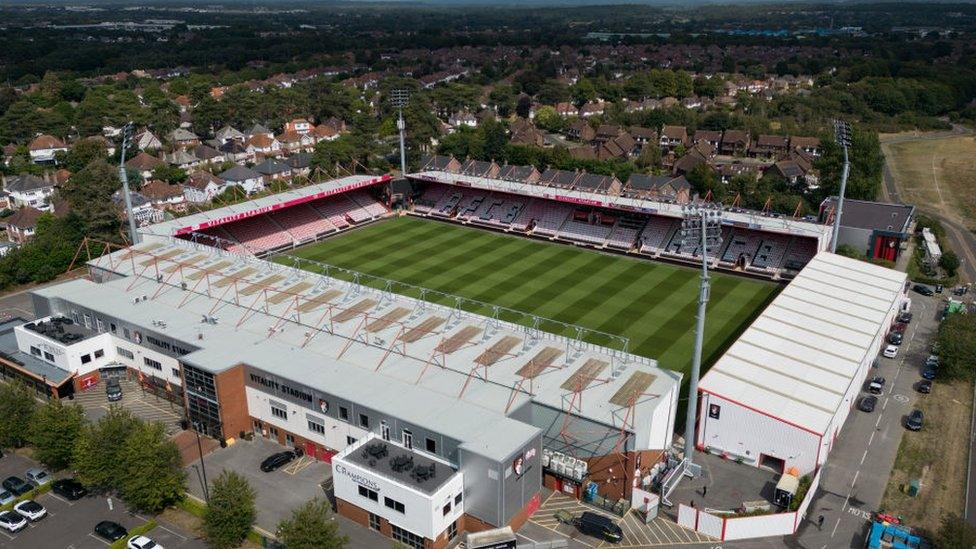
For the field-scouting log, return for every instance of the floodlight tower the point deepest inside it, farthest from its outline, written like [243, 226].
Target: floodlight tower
[126, 142]
[842, 133]
[399, 98]
[701, 223]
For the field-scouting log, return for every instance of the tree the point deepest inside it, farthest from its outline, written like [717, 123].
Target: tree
[98, 451]
[955, 532]
[153, 475]
[850, 251]
[957, 346]
[83, 153]
[54, 430]
[170, 174]
[17, 406]
[949, 262]
[230, 513]
[546, 118]
[311, 527]
[89, 193]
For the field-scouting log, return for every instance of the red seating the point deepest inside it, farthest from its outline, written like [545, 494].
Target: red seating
[258, 233]
[302, 222]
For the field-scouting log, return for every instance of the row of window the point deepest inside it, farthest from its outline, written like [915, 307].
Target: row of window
[38, 353]
[154, 364]
[86, 358]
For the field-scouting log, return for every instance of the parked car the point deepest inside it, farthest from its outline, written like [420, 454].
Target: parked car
[895, 338]
[275, 461]
[899, 328]
[31, 510]
[867, 403]
[113, 391]
[38, 477]
[924, 386]
[905, 317]
[16, 486]
[142, 542]
[890, 351]
[933, 361]
[600, 527]
[6, 497]
[929, 372]
[69, 488]
[924, 290]
[110, 531]
[12, 522]
[939, 288]
[876, 386]
[914, 421]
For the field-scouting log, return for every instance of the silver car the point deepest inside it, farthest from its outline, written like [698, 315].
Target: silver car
[6, 497]
[38, 477]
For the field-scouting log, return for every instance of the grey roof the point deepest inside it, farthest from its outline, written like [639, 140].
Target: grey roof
[34, 365]
[299, 160]
[27, 182]
[271, 166]
[258, 129]
[877, 216]
[238, 173]
[378, 455]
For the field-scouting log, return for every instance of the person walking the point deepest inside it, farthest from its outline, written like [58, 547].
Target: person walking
[820, 520]
[704, 490]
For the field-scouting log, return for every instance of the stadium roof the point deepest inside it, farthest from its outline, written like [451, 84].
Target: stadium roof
[875, 216]
[798, 359]
[461, 372]
[292, 197]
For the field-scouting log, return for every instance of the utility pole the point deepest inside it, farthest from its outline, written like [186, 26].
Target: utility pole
[126, 142]
[399, 99]
[842, 133]
[701, 223]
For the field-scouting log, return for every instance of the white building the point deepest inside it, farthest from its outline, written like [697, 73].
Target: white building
[30, 190]
[781, 393]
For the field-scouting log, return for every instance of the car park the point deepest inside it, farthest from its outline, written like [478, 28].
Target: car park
[923, 290]
[876, 386]
[890, 351]
[275, 461]
[16, 486]
[111, 531]
[924, 386]
[867, 403]
[895, 338]
[12, 522]
[914, 421]
[69, 488]
[599, 526]
[6, 497]
[38, 477]
[142, 542]
[31, 510]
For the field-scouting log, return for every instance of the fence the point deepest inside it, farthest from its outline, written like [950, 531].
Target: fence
[728, 528]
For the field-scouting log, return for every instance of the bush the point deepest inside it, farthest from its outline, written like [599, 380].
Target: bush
[801, 492]
[957, 346]
[29, 495]
[140, 530]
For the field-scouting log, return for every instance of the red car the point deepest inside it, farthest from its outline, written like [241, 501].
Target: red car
[900, 327]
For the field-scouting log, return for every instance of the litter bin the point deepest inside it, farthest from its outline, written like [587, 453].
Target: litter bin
[913, 487]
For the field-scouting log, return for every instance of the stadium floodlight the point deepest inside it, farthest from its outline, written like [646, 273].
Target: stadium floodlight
[126, 143]
[842, 134]
[701, 224]
[399, 99]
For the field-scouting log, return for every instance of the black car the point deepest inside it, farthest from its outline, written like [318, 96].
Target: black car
[275, 461]
[924, 386]
[876, 385]
[867, 403]
[113, 391]
[895, 338]
[939, 288]
[69, 488]
[905, 318]
[929, 372]
[111, 531]
[599, 526]
[914, 421]
[924, 290]
[16, 486]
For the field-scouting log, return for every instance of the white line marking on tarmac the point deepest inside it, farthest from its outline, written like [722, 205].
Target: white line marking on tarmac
[851, 491]
[863, 457]
[877, 423]
[835, 528]
[870, 440]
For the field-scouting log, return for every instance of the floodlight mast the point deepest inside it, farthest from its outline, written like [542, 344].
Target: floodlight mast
[703, 223]
[399, 99]
[842, 133]
[126, 142]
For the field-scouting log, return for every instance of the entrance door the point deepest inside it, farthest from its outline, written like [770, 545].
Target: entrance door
[310, 449]
[774, 464]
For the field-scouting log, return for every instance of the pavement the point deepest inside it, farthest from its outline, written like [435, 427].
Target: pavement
[143, 405]
[70, 524]
[725, 483]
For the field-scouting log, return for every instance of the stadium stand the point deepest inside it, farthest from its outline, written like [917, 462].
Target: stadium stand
[771, 252]
[445, 206]
[302, 222]
[432, 195]
[800, 253]
[624, 234]
[657, 234]
[550, 217]
[373, 208]
[743, 244]
[334, 211]
[258, 234]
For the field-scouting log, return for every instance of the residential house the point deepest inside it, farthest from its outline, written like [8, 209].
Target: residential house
[592, 108]
[643, 136]
[620, 147]
[164, 196]
[809, 146]
[248, 179]
[770, 146]
[735, 143]
[712, 137]
[580, 130]
[181, 158]
[440, 163]
[660, 188]
[232, 151]
[144, 163]
[697, 155]
[292, 141]
[594, 183]
[143, 211]
[273, 170]
[183, 138]
[728, 170]
[673, 137]
[108, 144]
[566, 109]
[324, 132]
[44, 147]
[258, 129]
[559, 178]
[22, 224]
[145, 140]
[262, 146]
[202, 186]
[480, 168]
[463, 118]
[300, 126]
[228, 133]
[9, 151]
[527, 134]
[30, 190]
[693, 102]
[300, 164]
[336, 125]
[606, 132]
[791, 171]
[205, 154]
[583, 152]
[523, 174]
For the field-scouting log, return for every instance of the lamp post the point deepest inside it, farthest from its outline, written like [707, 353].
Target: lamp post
[701, 223]
[842, 133]
[126, 142]
[203, 466]
[399, 99]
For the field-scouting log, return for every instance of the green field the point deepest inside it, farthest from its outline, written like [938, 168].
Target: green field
[652, 304]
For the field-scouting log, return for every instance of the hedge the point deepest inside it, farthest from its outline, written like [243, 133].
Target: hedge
[29, 495]
[140, 530]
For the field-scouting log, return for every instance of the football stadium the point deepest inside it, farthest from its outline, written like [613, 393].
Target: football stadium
[457, 340]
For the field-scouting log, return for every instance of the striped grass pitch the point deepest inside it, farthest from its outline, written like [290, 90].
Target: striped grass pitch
[652, 304]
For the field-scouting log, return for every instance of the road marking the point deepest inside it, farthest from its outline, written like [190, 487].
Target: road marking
[860, 513]
[877, 423]
[182, 537]
[93, 536]
[851, 491]
[870, 440]
[864, 456]
[517, 534]
[884, 405]
[835, 528]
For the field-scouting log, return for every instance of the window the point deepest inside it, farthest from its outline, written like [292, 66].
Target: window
[344, 413]
[385, 431]
[406, 537]
[152, 363]
[35, 351]
[125, 352]
[447, 509]
[87, 319]
[457, 500]
[279, 410]
[99, 353]
[368, 494]
[394, 504]
[99, 325]
[408, 439]
[289, 440]
[431, 445]
[364, 421]
[85, 359]
[125, 332]
[176, 372]
[274, 432]
[112, 327]
[452, 530]
[350, 441]
[374, 521]
[48, 356]
[316, 427]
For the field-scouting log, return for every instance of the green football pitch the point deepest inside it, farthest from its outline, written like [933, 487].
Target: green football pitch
[652, 304]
